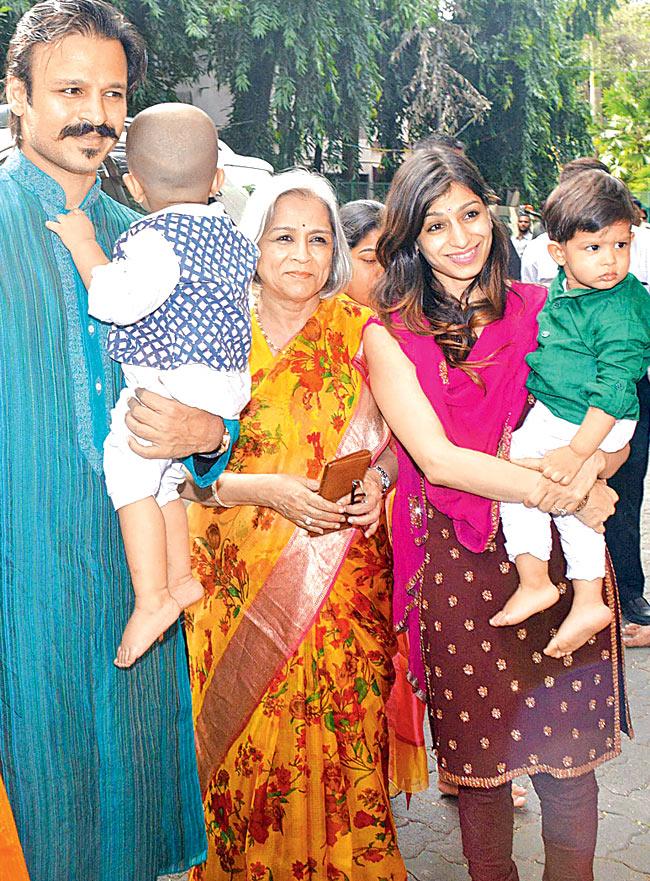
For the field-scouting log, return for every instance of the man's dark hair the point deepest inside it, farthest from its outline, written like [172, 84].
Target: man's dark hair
[577, 166]
[441, 142]
[587, 202]
[52, 20]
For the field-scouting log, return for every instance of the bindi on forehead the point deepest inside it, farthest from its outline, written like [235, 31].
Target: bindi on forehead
[452, 209]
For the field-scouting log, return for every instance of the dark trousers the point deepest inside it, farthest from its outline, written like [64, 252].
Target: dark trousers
[569, 828]
[624, 528]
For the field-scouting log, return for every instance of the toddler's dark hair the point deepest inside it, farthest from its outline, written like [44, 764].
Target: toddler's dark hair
[587, 202]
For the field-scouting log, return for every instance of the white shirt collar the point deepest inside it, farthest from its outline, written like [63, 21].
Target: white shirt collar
[196, 209]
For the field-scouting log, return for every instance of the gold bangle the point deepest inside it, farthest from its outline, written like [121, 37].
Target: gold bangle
[582, 504]
[216, 498]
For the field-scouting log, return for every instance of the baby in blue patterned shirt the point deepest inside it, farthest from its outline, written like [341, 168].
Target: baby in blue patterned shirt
[176, 294]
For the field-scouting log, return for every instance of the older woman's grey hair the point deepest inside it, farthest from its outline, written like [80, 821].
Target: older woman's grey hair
[260, 208]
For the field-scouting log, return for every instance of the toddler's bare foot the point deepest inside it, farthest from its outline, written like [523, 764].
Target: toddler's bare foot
[143, 628]
[582, 622]
[524, 602]
[186, 591]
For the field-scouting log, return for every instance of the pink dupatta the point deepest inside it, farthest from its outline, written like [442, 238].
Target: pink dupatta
[473, 417]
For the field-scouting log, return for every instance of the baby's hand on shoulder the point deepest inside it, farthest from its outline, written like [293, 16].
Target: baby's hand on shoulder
[562, 465]
[72, 228]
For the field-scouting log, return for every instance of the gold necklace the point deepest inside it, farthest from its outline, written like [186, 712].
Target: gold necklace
[274, 349]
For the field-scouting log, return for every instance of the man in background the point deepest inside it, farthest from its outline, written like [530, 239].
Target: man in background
[524, 234]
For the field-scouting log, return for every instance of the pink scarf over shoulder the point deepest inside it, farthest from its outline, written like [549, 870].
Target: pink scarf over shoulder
[473, 417]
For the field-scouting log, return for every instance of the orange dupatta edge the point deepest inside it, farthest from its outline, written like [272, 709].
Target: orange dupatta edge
[281, 614]
[12, 862]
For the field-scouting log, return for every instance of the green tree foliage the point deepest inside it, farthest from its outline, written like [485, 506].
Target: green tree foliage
[304, 76]
[622, 60]
[529, 65]
[423, 91]
[175, 32]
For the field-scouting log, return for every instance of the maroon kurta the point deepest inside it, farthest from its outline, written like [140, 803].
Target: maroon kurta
[498, 706]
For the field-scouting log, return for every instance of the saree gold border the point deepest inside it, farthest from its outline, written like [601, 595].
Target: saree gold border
[280, 615]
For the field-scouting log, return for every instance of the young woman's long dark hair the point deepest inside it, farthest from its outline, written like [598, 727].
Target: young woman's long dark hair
[408, 290]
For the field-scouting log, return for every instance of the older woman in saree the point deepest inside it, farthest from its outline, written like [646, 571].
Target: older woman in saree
[448, 371]
[290, 651]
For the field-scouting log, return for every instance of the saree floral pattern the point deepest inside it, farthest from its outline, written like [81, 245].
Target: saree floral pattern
[302, 792]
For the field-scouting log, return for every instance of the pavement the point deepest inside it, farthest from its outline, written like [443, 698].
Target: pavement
[429, 836]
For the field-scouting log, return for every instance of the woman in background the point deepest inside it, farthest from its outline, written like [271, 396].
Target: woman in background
[361, 221]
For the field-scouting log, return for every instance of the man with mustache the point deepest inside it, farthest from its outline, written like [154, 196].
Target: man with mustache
[98, 762]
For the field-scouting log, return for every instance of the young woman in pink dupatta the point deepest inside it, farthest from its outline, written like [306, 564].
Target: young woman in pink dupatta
[447, 369]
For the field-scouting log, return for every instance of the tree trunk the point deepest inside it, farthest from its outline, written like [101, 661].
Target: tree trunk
[350, 150]
[318, 158]
[249, 129]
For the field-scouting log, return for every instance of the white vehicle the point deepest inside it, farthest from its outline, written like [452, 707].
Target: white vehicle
[242, 172]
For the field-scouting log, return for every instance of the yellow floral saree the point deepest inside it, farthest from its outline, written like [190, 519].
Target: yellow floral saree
[290, 650]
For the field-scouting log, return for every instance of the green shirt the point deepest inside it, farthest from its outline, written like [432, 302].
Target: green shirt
[594, 346]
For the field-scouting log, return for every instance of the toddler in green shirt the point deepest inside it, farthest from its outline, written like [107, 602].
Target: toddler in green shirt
[593, 347]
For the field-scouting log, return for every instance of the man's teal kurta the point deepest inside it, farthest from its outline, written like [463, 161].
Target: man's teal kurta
[98, 762]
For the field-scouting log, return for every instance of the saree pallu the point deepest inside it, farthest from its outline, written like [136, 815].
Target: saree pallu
[12, 861]
[291, 648]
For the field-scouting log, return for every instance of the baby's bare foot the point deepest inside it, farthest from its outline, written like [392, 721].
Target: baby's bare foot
[143, 628]
[524, 602]
[578, 627]
[186, 591]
